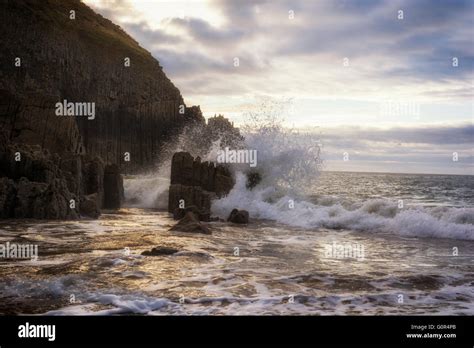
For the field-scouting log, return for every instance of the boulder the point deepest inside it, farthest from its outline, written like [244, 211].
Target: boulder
[190, 223]
[239, 216]
[203, 215]
[160, 251]
[90, 206]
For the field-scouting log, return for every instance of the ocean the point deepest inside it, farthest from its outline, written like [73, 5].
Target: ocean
[353, 244]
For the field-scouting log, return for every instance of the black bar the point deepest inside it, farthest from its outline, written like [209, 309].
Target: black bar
[248, 330]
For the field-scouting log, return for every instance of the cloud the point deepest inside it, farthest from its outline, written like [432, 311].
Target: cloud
[383, 51]
[401, 149]
[432, 135]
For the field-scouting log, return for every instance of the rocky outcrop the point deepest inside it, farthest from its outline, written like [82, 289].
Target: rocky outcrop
[85, 59]
[195, 183]
[70, 165]
[190, 223]
[239, 216]
[37, 184]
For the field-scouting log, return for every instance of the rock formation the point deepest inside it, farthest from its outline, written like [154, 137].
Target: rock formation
[239, 216]
[48, 57]
[190, 223]
[196, 183]
[160, 251]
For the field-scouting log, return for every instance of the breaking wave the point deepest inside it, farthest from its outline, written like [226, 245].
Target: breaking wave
[376, 215]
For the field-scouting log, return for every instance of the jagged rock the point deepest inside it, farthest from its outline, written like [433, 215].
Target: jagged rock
[182, 167]
[90, 206]
[223, 181]
[113, 187]
[239, 216]
[137, 107]
[71, 164]
[196, 183]
[190, 223]
[43, 201]
[28, 199]
[160, 251]
[179, 213]
[56, 201]
[43, 184]
[191, 196]
[7, 198]
[93, 178]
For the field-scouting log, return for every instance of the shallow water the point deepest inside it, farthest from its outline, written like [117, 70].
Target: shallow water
[278, 270]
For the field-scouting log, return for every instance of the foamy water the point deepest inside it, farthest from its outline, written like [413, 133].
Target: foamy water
[278, 270]
[406, 205]
[417, 259]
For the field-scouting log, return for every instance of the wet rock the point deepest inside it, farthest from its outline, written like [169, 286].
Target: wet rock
[182, 166]
[190, 223]
[93, 178]
[239, 216]
[90, 206]
[194, 198]
[7, 198]
[253, 179]
[113, 187]
[28, 199]
[223, 183]
[160, 251]
[179, 213]
[196, 183]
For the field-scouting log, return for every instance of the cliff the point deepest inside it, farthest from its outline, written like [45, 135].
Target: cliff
[61, 165]
[85, 60]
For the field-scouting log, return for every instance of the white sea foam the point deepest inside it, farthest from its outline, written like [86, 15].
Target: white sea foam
[378, 215]
[146, 191]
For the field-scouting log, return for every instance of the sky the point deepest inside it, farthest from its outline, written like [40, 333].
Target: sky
[387, 85]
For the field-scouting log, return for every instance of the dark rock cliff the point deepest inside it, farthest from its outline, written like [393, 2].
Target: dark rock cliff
[67, 166]
[83, 60]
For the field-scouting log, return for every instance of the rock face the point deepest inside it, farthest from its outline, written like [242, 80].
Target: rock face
[239, 216]
[36, 184]
[195, 184]
[84, 60]
[113, 187]
[48, 57]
